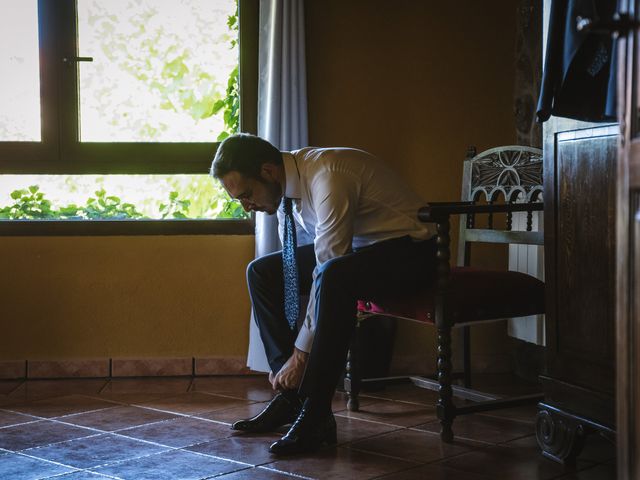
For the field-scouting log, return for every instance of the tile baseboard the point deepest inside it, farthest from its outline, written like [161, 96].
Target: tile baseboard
[151, 367]
[124, 367]
[232, 365]
[81, 368]
[13, 369]
[205, 366]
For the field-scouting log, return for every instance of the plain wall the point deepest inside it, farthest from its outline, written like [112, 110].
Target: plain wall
[412, 81]
[145, 296]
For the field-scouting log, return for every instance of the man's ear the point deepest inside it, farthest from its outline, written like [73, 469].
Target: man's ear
[268, 171]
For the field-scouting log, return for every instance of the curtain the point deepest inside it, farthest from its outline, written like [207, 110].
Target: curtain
[282, 114]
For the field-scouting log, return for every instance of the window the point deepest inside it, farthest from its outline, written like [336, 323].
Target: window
[104, 101]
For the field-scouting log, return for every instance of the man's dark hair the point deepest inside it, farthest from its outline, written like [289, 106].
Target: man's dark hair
[245, 154]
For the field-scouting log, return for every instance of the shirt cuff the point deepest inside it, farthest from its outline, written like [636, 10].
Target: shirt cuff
[305, 338]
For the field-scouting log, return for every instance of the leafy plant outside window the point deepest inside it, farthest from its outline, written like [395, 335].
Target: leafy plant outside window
[31, 204]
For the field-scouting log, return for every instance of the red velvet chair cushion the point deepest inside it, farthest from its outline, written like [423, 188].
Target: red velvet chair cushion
[476, 294]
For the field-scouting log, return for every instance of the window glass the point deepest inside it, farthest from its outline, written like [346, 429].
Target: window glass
[160, 69]
[19, 71]
[115, 197]
[148, 72]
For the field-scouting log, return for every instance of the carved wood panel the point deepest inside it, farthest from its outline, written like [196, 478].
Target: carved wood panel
[585, 265]
[580, 249]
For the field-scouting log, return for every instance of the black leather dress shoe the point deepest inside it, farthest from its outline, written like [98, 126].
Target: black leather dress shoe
[281, 410]
[307, 434]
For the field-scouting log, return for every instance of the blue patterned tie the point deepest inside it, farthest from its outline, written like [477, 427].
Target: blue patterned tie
[290, 266]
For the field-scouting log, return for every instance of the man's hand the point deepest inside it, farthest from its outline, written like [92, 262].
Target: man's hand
[290, 375]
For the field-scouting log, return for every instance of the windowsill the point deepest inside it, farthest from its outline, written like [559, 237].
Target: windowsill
[15, 228]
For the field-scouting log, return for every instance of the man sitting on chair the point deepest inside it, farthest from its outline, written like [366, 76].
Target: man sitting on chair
[367, 241]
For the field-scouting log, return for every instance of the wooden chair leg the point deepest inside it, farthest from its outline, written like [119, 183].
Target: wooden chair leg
[466, 356]
[444, 406]
[352, 379]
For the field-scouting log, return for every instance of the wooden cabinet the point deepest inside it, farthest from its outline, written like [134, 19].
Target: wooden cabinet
[580, 232]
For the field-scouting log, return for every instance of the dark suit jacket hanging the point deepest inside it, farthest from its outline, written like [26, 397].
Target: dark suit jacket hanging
[579, 78]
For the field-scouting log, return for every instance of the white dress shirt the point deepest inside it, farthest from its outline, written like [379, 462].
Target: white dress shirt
[344, 199]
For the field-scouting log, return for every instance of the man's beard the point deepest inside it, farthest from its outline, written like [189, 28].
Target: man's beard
[274, 194]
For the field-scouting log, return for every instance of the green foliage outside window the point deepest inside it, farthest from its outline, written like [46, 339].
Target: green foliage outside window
[230, 104]
[31, 204]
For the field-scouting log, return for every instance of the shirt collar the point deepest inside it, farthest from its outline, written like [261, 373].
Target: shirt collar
[292, 176]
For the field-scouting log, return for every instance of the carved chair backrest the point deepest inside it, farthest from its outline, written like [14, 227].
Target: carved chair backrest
[510, 174]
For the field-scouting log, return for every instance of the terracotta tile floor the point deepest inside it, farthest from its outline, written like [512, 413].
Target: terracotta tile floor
[178, 429]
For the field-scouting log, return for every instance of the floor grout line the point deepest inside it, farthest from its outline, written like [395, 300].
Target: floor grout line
[290, 474]
[384, 455]
[221, 475]
[376, 422]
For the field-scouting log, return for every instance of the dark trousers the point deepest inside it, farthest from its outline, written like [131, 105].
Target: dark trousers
[390, 267]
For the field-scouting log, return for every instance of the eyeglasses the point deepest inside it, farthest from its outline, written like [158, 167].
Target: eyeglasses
[245, 197]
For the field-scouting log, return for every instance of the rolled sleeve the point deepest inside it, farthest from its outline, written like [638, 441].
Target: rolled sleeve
[305, 337]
